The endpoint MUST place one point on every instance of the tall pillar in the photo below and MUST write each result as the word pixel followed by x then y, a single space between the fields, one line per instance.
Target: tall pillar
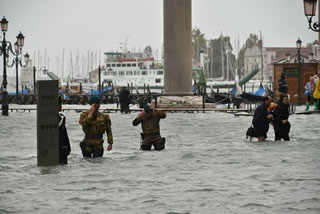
pixel 177 47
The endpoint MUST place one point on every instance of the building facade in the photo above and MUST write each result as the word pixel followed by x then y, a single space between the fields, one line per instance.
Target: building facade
pixel 254 57
pixel 27 75
pixel 296 72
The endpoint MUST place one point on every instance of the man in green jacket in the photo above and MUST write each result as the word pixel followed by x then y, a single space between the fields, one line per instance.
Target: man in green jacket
pixel 94 125
pixel 150 123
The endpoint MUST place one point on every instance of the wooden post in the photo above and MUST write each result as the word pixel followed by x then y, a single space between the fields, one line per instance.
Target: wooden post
pixel 155 101
pixel 203 101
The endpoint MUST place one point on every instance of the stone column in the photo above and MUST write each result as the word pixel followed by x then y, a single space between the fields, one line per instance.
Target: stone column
pixel 177 47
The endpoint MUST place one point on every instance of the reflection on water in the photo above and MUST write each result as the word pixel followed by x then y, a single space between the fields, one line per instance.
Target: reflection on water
pixel 208 167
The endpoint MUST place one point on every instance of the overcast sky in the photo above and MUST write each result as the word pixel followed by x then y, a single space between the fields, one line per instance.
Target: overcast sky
pixel 103 24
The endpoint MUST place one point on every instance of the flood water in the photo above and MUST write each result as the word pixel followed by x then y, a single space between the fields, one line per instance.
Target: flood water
pixel 208 167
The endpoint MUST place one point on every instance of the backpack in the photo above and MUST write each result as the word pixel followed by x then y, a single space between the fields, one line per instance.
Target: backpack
pixel 250 133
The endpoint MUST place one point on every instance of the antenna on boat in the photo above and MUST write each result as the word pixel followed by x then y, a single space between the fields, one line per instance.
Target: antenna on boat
pixel 222 56
pixel 62 65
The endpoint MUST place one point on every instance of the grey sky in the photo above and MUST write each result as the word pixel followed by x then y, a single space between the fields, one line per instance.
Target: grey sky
pixel 103 24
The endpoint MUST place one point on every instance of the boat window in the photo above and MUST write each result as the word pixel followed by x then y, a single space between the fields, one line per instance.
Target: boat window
pixel 118 65
pixel 121 73
pixel 158 80
pixel 114 73
pixel 144 72
pixel 128 65
pixel 135 73
pixel 123 65
pixel 159 72
pixel 138 72
pixel 134 65
pixel 105 73
pixel 108 65
pixel 129 73
pixel 113 65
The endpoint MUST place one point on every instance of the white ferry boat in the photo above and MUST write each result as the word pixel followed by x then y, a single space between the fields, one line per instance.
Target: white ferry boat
pixel 123 69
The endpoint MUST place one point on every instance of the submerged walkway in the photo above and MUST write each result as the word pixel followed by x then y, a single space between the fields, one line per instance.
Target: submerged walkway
pixel 114 110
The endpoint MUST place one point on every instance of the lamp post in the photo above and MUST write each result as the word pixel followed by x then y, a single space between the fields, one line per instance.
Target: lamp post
pixel 4 28
pixel 34 80
pixel 310 7
pixel 5 48
pixel 17 61
pixel 299 60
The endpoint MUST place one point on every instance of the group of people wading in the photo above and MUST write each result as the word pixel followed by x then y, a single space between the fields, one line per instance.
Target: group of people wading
pixel 278 113
pixel 95 124
pixel 275 113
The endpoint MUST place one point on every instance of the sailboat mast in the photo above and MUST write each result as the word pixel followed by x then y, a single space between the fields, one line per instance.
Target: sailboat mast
pixel 227 53
pixel 261 56
pixel 222 58
pixel 62 65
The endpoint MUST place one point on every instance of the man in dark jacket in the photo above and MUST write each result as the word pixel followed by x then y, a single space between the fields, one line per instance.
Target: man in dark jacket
pixel 150 123
pixel 124 99
pixel 280 122
pixel 64 143
pixel 262 118
pixel 283 84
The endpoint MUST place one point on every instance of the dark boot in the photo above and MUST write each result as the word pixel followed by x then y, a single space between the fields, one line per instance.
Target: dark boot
pixel 316 104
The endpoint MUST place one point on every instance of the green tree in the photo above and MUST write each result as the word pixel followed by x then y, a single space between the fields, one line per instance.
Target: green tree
pixel 217 48
pixel 199 43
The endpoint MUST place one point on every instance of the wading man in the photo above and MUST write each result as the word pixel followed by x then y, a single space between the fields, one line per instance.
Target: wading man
pixel 261 119
pixel 94 125
pixel 150 123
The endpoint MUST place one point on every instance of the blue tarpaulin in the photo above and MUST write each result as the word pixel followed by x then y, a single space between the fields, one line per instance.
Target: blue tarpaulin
pixel 260 91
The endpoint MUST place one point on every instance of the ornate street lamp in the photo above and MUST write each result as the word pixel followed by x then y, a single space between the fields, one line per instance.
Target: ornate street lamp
pixel 6 47
pixel 4 24
pixel 310 7
pixel 298 45
pixel 20 40
pixel 4 106
pixel 18 61
pixel 299 60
